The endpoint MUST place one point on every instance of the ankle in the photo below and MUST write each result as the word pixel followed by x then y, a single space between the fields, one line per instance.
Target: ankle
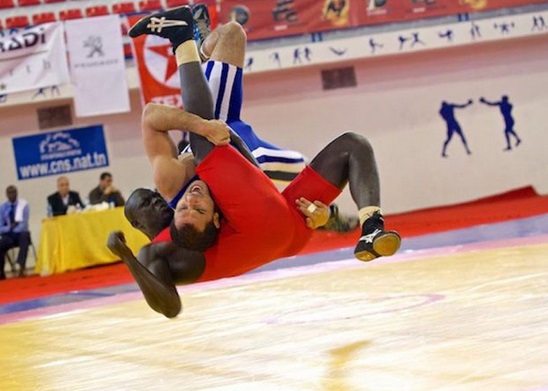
pixel 367 212
pixel 372 223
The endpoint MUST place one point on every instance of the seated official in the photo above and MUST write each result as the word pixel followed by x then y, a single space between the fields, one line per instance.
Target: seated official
pixel 14 229
pixel 106 192
pixel 60 201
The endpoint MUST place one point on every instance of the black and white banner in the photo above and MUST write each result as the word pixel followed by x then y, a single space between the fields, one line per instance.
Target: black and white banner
pixel 32 58
pixel 97 65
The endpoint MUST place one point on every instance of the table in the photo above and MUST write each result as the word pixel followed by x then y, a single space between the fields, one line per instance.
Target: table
pixel 80 240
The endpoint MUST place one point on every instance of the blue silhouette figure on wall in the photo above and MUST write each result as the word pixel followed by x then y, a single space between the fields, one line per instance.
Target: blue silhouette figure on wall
pixel 506 110
pixel 249 63
pixel 447 112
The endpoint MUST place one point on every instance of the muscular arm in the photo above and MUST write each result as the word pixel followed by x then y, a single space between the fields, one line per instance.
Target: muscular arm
pixel 157 120
pixel 156 269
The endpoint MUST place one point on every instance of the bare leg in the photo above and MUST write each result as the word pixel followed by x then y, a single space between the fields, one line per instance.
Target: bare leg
pixel 227 43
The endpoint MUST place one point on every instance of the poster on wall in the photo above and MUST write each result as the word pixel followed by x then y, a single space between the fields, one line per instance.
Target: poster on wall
pixel 97 66
pixel 60 152
pixel 32 58
pixel 264 19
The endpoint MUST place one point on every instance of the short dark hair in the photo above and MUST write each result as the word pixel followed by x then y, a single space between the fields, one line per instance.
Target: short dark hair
pixel 105 174
pixel 190 238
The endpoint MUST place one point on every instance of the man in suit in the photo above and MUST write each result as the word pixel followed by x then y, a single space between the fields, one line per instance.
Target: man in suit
pixel 59 202
pixel 14 229
pixel 106 192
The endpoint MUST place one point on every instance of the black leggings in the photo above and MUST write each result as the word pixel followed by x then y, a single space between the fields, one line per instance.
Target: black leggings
pixel 350 159
pixel 197 99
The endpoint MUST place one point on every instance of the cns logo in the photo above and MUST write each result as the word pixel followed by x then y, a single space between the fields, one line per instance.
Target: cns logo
pixel 59 144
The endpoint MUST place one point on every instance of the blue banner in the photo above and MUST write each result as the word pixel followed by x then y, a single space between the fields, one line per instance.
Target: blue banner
pixel 60 152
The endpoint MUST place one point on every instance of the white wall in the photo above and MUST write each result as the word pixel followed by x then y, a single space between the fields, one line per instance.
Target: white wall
pixel 395 105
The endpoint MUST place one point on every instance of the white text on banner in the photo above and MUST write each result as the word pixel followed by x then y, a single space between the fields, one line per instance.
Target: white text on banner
pixel 33 58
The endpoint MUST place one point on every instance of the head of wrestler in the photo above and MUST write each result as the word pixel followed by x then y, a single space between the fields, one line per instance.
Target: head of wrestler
pixel 197 218
pixel 147 211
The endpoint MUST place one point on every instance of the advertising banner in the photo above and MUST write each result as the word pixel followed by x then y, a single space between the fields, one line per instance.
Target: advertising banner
pixel 32 58
pixel 60 152
pixel 97 66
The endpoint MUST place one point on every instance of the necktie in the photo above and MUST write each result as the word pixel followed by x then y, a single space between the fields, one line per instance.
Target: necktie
pixel 12 213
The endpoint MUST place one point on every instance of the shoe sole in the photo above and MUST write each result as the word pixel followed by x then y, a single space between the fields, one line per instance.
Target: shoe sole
pixel 383 246
pixel 132 30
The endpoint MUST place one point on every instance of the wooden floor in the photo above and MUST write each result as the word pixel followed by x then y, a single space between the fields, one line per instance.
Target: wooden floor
pixel 461 319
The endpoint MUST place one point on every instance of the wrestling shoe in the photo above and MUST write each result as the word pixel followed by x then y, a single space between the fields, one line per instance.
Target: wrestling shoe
pixel 338 222
pixel 202 27
pixel 375 241
pixel 175 24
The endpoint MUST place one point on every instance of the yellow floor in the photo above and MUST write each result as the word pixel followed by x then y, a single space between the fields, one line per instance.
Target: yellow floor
pixel 472 321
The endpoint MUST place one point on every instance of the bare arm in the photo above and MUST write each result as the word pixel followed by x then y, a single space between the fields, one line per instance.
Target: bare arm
pixel 157 268
pixel 155 282
pixel 169 173
pixel 158 120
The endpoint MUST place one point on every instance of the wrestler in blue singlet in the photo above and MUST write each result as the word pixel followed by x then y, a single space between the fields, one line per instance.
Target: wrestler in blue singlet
pixel 226 84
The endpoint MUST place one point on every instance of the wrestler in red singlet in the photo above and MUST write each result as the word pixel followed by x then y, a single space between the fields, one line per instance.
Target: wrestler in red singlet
pixel 260 224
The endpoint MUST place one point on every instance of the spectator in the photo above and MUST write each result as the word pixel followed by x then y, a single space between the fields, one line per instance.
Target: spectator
pixel 14 229
pixel 60 201
pixel 106 192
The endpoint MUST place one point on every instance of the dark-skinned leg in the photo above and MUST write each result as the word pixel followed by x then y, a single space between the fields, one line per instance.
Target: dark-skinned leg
pixel 349 159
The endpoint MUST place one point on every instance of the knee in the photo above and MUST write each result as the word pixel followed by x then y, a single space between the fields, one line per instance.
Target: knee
pixel 24 237
pixel 234 32
pixel 234 29
pixel 5 244
pixel 355 140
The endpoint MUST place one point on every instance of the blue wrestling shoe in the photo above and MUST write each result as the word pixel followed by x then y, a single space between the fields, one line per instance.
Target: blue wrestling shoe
pixel 176 24
pixel 202 27
pixel 375 242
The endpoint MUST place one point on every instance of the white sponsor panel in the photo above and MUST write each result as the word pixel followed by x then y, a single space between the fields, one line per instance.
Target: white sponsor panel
pixel 97 66
pixel 32 58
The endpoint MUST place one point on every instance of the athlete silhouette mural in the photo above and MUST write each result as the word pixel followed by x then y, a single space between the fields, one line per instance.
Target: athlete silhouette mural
pixel 506 110
pixel 447 112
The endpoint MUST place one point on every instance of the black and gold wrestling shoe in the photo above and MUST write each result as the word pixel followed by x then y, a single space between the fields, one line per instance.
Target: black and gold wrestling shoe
pixel 176 24
pixel 375 242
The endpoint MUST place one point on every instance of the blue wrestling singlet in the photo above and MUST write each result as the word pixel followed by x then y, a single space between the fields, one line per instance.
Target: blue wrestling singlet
pixel 226 84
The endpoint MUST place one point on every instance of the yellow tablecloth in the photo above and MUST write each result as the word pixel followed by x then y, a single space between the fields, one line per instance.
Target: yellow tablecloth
pixel 80 240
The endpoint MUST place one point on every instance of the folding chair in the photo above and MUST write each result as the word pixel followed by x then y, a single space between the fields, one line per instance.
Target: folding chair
pixel 18 21
pixel 123 8
pixel 44 17
pixel 150 5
